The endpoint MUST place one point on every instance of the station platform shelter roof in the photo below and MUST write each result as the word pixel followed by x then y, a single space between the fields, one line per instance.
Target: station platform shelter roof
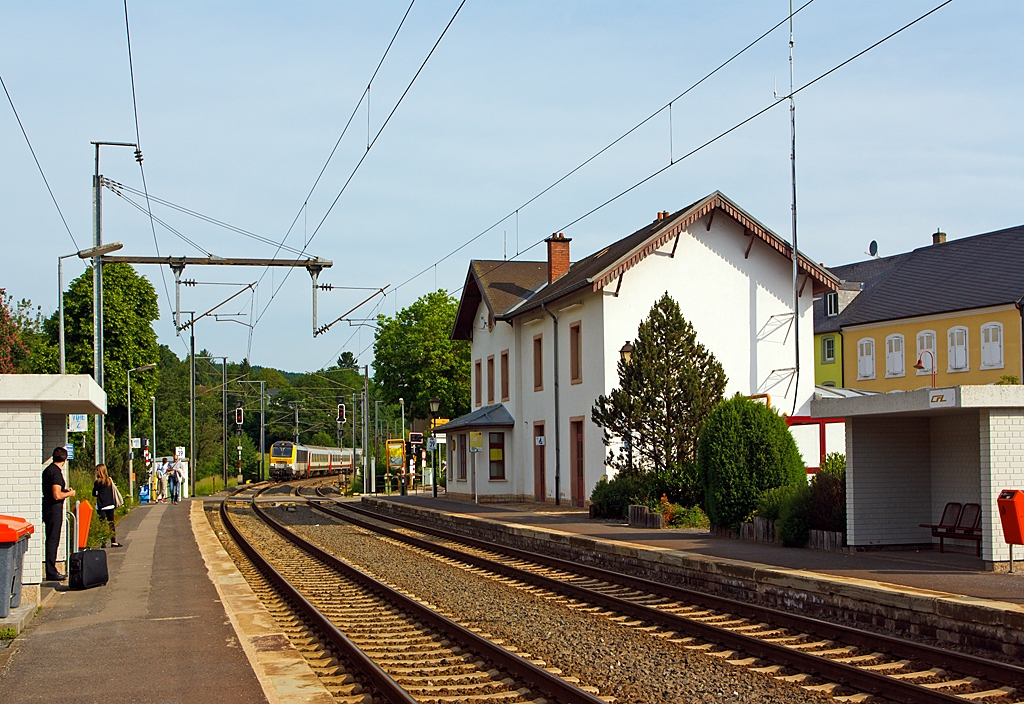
pixel 909 453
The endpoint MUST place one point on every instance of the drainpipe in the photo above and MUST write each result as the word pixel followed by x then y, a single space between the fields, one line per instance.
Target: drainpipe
pixel 842 360
pixel 558 434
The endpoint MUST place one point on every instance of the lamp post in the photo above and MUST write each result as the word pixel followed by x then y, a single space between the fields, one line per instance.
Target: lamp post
pixel 920 364
pixel 131 453
pixel 152 400
pixel 81 254
pixel 435 404
pixel 626 354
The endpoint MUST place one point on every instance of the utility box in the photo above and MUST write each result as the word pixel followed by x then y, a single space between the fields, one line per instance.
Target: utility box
pixel 1011 514
pixel 14 534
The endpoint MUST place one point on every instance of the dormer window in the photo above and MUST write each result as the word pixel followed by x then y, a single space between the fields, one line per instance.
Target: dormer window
pixel 831 304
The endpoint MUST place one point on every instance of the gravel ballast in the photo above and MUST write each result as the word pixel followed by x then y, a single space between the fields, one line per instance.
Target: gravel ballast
pixel 627 664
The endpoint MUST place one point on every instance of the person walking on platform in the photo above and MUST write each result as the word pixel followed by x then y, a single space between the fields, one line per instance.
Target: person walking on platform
pixel 174 482
pixel 161 479
pixel 103 490
pixel 54 492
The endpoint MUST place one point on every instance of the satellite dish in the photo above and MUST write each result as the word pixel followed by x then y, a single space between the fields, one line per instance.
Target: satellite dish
pixel 873 248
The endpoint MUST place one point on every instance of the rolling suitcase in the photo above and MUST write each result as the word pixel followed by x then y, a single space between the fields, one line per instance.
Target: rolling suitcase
pixel 87 569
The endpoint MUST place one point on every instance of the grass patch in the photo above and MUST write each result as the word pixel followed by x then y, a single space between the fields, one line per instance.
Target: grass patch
pixel 212 484
pixel 8 634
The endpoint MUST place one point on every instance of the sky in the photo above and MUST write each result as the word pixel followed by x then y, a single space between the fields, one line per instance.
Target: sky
pixel 240 104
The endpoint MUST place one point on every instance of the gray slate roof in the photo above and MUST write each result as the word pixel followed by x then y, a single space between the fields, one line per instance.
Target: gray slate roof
pixel 493 416
pixel 971 272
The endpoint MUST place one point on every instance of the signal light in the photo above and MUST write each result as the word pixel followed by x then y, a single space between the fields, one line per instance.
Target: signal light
pixel 238 416
pixel 415 438
pixel 341 412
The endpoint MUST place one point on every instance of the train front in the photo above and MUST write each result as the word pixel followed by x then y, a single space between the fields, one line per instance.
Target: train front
pixel 282 460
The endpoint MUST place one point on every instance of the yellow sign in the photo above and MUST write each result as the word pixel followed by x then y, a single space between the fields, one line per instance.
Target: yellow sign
pixel 496 454
pixel 396 455
pixel 476 442
pixel 440 421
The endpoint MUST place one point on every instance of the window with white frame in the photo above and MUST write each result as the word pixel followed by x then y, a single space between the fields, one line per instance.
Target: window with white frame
pixel 831 304
pixel 866 358
pixel 926 341
pixel 895 362
pixel 992 346
pixel 828 349
pixel 957 343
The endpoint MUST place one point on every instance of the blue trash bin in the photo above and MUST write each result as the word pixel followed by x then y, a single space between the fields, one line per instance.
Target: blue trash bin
pixel 144 494
pixel 14 535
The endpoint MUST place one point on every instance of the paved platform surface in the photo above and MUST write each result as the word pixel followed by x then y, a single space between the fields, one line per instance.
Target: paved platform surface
pixel 956 573
pixel 155 633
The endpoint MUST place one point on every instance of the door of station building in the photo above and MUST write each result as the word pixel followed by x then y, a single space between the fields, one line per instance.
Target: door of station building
pixel 579 489
pixel 539 476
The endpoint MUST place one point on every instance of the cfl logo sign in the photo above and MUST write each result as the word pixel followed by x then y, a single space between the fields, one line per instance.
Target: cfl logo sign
pixel 938 398
pixel 942 398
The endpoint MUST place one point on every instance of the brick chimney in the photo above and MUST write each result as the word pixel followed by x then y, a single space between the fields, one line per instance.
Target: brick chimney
pixel 558 255
pixel 938 237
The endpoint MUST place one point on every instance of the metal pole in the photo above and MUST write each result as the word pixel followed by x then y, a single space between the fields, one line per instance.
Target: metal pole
pixel 376 444
pixel 263 448
pixel 192 464
pixel 131 450
pixel 353 462
pixel 224 414
pixel 366 423
pixel 152 442
pixel 60 309
pixel 792 161
pixel 97 302
pixel 295 405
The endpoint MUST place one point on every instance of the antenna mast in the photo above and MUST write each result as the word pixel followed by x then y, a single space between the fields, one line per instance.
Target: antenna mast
pixel 792 162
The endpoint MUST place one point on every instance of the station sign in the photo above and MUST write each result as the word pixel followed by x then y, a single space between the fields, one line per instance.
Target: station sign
pixel 136 443
pixel 942 398
pixel 476 441
pixel 179 453
pixel 71 451
pixel 78 423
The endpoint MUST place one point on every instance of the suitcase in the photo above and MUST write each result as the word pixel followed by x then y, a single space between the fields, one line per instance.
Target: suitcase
pixel 87 569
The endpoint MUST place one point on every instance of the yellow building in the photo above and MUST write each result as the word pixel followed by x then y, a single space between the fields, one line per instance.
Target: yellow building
pixel 957 305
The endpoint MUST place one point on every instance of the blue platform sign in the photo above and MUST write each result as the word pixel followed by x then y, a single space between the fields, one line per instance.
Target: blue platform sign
pixel 71 451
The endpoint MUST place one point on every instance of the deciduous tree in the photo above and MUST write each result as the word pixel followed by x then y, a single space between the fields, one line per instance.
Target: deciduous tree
pixel 415 357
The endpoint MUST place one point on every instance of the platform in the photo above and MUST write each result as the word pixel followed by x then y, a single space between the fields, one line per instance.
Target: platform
pixel 156 632
pixel 947 596
pixel 955 573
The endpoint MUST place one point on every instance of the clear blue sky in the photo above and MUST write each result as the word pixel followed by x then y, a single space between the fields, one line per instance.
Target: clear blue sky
pixel 240 104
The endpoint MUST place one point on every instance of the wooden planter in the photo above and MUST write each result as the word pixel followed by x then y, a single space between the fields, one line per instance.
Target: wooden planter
pixel 833 541
pixel 641 517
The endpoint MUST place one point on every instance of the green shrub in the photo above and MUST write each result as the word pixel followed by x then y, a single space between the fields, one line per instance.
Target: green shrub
pixel 611 499
pixel 828 494
pixel 8 634
pixel 794 522
pixel 770 503
pixel 745 449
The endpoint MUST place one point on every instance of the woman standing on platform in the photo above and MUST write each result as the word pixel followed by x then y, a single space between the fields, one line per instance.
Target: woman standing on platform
pixel 103 490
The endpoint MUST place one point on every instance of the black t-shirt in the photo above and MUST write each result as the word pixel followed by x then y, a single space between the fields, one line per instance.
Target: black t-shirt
pixel 52 475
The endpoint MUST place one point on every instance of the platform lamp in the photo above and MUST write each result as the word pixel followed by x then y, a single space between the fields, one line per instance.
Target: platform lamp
pixel 920 364
pixel 131 453
pixel 626 354
pixel 435 404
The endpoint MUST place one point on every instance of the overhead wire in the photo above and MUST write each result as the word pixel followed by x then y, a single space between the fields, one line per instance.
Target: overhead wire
pixel 369 146
pixel 138 158
pixel 163 224
pixel 38 165
pixel 721 135
pixel 605 148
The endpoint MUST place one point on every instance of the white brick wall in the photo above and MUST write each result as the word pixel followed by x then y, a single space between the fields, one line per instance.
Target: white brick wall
pixel 55 434
pixel 21 438
pixel 888 480
pixel 1002 467
pixel 956 466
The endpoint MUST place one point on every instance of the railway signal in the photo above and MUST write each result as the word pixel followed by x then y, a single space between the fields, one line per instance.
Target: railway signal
pixel 238 416
pixel 341 412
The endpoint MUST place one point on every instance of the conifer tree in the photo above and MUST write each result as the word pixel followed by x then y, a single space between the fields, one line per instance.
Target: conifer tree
pixel 667 389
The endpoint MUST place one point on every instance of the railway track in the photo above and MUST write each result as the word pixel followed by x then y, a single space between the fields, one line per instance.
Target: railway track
pixel 403 649
pixel 850 664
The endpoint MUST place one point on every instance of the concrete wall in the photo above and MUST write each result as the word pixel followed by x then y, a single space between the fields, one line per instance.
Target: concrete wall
pixel 888 479
pixel 1002 467
pixel 955 464
pixel 21 448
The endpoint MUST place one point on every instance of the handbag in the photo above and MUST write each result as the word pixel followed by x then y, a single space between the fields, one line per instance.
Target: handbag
pixel 118 499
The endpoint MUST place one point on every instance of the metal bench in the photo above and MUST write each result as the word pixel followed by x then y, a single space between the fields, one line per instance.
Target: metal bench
pixel 958 522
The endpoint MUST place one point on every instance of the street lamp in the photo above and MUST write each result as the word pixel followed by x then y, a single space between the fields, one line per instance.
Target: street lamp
pixel 81 254
pixel 131 454
pixel 626 354
pixel 920 364
pixel 435 404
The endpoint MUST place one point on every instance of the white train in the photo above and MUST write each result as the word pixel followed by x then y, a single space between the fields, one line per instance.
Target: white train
pixel 289 460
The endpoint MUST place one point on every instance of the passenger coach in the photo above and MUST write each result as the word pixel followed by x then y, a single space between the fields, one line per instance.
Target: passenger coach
pixel 289 460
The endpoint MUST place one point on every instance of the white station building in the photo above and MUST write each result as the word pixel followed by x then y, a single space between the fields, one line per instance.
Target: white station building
pixel 546 339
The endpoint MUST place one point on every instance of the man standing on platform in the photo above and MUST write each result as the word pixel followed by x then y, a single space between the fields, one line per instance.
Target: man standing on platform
pixel 54 492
